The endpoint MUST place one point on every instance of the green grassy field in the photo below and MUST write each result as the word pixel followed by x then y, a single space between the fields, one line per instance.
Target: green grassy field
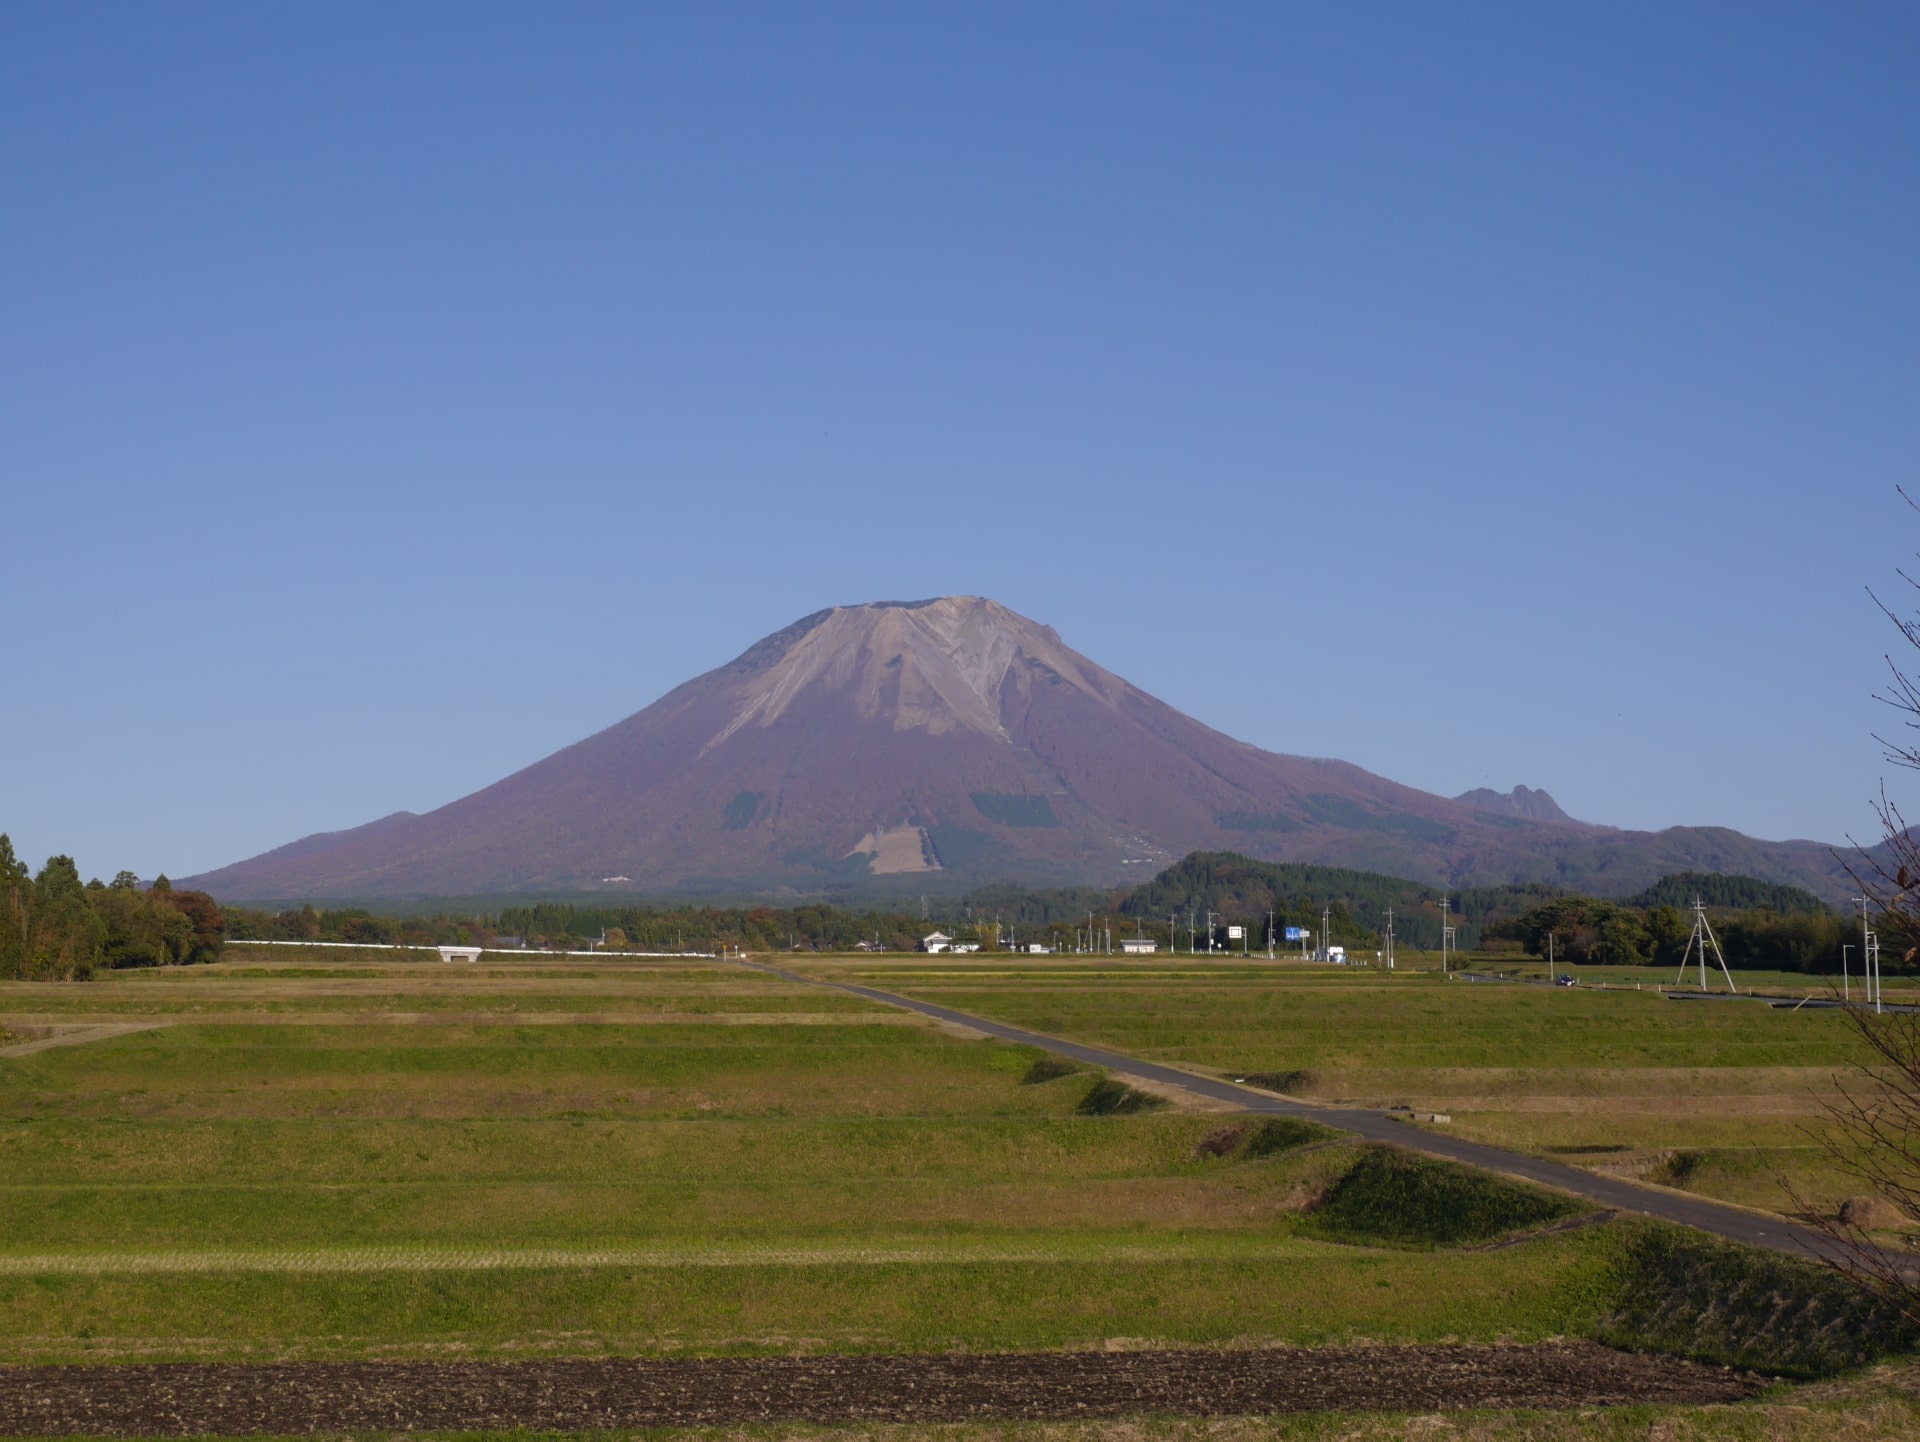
pixel 1719 1097
pixel 722 1162
pixel 353 1156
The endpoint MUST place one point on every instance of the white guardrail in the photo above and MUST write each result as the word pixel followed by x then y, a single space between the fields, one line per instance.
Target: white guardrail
pixel 485 950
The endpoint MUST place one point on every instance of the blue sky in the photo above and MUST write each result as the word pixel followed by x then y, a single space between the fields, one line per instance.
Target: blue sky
pixel 1479 393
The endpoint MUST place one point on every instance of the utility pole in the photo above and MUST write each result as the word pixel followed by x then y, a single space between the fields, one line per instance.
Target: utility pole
pixel 1869 958
pixel 1389 938
pixel 1844 993
pixel 1446 931
pixel 1326 932
pixel 1269 936
pixel 1866 966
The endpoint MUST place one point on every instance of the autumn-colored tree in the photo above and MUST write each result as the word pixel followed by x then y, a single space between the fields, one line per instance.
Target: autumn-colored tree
pixel 204 914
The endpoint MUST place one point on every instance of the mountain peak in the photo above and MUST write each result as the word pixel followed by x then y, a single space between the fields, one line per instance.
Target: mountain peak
pixel 937 665
pixel 1523 801
pixel 944 742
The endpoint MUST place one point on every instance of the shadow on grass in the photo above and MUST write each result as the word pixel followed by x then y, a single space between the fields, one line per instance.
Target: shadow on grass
pixel 1110 1098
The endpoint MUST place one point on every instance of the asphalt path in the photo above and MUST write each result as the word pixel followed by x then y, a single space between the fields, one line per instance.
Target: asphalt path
pixel 1752 1228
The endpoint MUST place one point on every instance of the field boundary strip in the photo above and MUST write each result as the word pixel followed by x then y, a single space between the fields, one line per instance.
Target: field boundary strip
pixel 413 1258
pixel 99 1027
pixel 81 1034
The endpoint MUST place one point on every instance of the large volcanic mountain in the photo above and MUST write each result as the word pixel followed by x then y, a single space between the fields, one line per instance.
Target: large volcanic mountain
pixel 927 744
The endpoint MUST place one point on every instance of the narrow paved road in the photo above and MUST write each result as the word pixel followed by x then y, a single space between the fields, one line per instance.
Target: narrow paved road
pixel 1741 1226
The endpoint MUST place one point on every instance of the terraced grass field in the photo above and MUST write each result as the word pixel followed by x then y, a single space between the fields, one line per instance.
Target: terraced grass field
pixel 382 1159
pixel 355 1156
pixel 1723 1098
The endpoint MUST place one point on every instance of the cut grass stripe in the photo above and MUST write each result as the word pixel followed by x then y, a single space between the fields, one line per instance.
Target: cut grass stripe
pixel 481 1259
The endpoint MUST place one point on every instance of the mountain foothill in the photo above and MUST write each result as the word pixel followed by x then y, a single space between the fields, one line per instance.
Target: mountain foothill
pixel 915 746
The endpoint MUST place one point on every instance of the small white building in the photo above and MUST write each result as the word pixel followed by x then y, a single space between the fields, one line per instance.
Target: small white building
pixel 937 942
pixel 458 953
pixel 1039 948
pixel 1139 945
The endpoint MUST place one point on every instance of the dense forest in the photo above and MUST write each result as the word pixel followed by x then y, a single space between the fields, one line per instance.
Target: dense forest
pixel 55 928
pixel 1726 893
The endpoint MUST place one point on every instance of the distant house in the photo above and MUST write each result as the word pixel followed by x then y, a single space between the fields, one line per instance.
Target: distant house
pixel 868 946
pixel 938 941
pixel 963 946
pixel 1039 948
pixel 1138 945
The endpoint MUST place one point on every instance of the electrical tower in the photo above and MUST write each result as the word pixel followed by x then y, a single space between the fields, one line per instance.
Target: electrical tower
pixel 1701 939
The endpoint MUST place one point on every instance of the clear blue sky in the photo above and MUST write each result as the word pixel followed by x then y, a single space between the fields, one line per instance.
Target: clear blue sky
pixel 390 395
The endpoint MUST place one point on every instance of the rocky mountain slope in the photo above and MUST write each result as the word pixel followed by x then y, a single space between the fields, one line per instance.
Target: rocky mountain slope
pixel 935 744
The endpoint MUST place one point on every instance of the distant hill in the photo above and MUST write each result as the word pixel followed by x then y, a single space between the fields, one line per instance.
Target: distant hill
pixel 907 748
pixel 1734 893
pixel 1240 886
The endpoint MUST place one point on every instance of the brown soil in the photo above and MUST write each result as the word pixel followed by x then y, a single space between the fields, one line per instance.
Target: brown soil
pixel 182 1399
pixel 1221 1141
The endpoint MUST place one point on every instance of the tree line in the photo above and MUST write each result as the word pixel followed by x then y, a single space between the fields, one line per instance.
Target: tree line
pixel 1780 926
pixel 1585 931
pixel 54 927
pixel 573 926
pixel 1246 890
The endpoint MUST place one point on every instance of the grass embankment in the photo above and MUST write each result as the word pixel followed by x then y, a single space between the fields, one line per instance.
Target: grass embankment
pixel 1619 1081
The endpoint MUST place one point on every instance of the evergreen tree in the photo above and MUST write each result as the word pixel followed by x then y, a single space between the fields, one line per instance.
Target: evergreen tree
pixel 16 909
pixel 64 934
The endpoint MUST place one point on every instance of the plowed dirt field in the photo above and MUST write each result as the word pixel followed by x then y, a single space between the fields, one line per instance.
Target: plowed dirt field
pixel 187 1399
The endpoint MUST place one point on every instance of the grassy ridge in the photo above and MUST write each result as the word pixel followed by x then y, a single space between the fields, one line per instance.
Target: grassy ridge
pixel 1399 1197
